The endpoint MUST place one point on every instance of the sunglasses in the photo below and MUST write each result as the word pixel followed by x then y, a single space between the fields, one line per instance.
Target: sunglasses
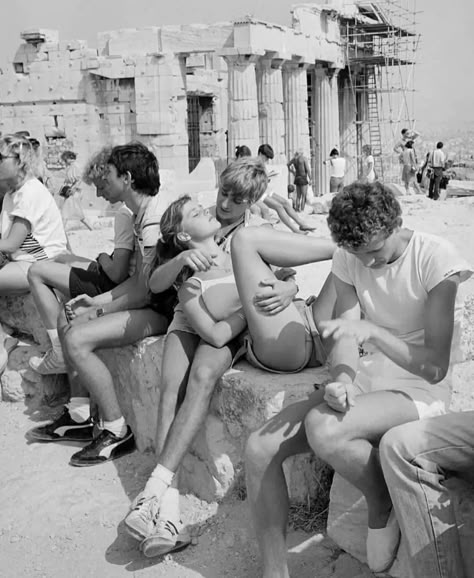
pixel 2 157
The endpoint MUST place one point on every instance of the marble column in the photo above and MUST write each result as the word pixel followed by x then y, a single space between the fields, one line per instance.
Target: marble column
pixel 243 126
pixel 271 118
pixel 326 107
pixel 295 108
pixel 348 127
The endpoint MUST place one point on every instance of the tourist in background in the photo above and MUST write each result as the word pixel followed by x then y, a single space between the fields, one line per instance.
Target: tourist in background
pixel 437 162
pixel 368 165
pixel 410 166
pixel 40 170
pixel 406 135
pixel 299 166
pixel 283 207
pixel 70 191
pixel 242 151
pixel 337 171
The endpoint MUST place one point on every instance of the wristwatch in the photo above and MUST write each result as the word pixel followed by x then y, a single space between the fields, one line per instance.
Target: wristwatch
pixel 99 312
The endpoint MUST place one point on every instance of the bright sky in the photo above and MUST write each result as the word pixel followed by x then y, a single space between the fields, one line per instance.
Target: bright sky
pixel 444 75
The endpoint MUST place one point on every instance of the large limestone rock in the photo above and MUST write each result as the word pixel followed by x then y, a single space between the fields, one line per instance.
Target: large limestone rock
pixel 19 312
pixel 244 399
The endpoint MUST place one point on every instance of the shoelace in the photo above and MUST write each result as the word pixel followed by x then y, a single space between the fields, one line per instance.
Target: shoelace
pixel 147 509
pixel 165 526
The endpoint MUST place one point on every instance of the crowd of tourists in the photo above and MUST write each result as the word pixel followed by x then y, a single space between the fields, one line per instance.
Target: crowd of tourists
pixel 220 284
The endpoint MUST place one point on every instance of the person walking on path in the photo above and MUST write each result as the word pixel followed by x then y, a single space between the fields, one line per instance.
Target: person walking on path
pixel 299 166
pixel 437 161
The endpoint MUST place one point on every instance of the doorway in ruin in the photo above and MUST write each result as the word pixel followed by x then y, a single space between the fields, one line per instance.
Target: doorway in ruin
pixel 200 122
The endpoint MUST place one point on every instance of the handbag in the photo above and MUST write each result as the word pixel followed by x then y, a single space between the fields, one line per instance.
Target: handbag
pixel 65 191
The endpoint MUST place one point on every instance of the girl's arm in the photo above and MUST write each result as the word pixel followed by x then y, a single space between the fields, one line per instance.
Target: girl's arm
pixel 18 232
pixel 216 333
pixel 164 276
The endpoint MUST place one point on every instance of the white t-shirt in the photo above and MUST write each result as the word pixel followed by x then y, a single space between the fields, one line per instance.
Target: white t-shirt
pixel 146 227
pixel 34 203
pixel 394 296
pixel 370 175
pixel 123 234
pixel 338 167
pixel 437 158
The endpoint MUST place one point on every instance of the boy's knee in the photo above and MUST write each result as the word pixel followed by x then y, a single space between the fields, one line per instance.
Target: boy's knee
pixel 396 444
pixel 73 342
pixel 259 451
pixel 324 436
pixel 203 379
pixel 35 273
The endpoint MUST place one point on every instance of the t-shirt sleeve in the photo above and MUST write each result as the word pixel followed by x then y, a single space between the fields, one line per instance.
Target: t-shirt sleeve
pixel 440 260
pixel 25 204
pixel 341 266
pixel 123 227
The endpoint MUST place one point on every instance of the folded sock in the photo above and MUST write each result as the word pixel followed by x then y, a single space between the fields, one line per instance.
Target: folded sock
pixel 54 338
pixel 159 481
pixel 169 506
pixel 79 409
pixel 118 426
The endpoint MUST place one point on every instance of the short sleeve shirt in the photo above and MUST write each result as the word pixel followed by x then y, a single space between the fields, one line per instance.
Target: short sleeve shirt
pixel 123 235
pixel 394 296
pixel 35 204
pixel 146 227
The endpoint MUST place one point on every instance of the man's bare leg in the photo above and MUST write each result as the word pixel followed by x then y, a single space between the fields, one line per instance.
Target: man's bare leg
pixel 267 448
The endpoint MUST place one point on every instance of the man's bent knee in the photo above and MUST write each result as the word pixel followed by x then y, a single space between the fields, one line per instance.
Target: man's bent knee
pixel 202 380
pixel 398 444
pixel 324 436
pixel 74 344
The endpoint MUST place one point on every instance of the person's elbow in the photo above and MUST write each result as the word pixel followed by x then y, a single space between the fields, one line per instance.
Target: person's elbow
pixel 439 373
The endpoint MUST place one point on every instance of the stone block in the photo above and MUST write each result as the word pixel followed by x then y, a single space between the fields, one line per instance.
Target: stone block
pixel 20 312
pixel 347 523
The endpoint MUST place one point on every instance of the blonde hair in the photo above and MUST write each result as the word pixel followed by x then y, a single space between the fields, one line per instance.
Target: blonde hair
pixel 21 148
pixel 245 179
pixel 96 168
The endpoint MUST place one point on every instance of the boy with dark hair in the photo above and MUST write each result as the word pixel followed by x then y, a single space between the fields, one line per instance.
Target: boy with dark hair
pixel 120 316
pixel 437 162
pixel 405 285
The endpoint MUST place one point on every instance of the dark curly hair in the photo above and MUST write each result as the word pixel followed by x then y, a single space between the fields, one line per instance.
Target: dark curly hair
pixel 360 211
pixel 142 165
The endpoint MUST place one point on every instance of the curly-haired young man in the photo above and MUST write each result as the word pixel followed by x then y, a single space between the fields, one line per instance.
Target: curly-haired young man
pixel 397 296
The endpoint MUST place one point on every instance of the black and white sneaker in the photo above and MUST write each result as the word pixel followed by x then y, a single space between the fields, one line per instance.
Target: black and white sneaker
pixel 63 429
pixel 106 446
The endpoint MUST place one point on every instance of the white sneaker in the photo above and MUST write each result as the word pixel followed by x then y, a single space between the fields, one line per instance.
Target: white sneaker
pixel 382 545
pixel 51 363
pixel 167 537
pixel 140 521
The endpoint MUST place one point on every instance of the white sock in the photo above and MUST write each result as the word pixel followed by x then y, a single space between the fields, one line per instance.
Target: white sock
pixel 79 409
pixel 159 481
pixel 118 426
pixel 169 506
pixel 54 338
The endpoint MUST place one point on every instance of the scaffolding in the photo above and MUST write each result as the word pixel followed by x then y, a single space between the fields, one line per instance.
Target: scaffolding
pixel 381 45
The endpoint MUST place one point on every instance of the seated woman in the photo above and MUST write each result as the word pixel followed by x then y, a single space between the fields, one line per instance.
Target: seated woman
pixel 31 225
pixel 73 275
pixel 212 316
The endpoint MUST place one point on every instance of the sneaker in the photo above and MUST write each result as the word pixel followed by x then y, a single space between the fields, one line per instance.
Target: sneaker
pixel 141 519
pixel 106 446
pixel 64 428
pixel 167 537
pixel 51 363
pixel 8 344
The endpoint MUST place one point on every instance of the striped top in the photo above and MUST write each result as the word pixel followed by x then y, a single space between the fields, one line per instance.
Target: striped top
pixel 33 202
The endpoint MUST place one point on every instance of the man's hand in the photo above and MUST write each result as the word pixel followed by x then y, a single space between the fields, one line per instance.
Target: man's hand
pixel 339 396
pixel 275 296
pixel 78 306
pixel 197 260
pixel 360 330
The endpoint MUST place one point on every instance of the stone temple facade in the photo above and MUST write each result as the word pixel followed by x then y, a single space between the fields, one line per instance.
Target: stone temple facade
pixel 192 91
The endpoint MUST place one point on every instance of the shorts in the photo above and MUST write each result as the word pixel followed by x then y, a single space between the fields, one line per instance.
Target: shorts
pixel 315 352
pixel 164 303
pixel 378 373
pixel 336 184
pixel 91 281
pixel 301 181
pixel 180 322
